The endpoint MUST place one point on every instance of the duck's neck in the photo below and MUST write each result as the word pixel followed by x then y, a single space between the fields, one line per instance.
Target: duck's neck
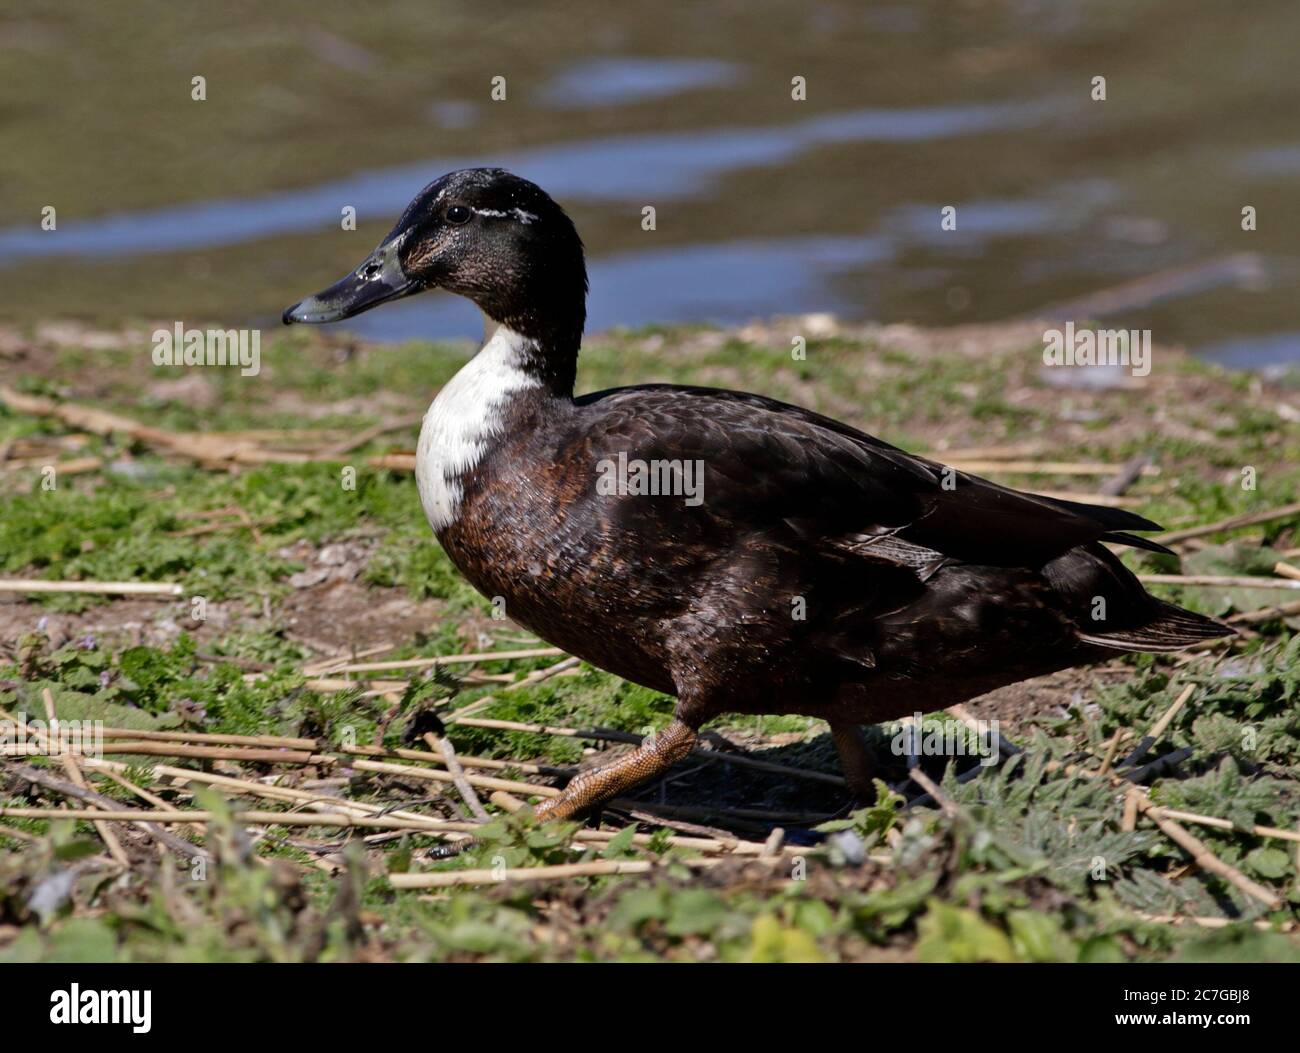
pixel 545 303
pixel 544 348
pixel 470 412
pixel 530 356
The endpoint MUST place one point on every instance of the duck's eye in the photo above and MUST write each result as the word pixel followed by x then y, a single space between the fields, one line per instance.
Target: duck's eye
pixel 458 214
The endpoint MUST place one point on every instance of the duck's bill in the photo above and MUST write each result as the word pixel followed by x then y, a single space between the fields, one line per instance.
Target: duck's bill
pixel 380 278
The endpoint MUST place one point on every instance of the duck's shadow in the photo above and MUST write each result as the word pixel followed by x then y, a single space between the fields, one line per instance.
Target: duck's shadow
pixel 749 801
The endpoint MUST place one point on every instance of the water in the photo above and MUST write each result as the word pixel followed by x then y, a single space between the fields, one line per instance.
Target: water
pixel 718 282
pixel 226 210
pixel 626 80
pixel 628 168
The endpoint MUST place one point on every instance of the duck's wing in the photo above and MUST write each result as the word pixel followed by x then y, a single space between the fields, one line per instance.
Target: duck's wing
pixel 767 463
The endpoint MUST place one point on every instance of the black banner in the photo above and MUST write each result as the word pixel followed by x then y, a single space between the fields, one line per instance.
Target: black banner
pixel 229 1002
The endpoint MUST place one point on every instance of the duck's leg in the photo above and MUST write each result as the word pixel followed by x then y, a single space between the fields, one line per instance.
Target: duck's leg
pixel 592 788
pixel 857 761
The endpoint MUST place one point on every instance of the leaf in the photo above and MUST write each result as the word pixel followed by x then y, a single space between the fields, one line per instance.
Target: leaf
pixel 83 940
pixel 1100 949
pixel 770 941
pixel 812 916
pixel 1039 937
pixel 891 908
pixel 637 907
pixel 620 843
pixel 955 934
pixel 399 860
pixel 875 819
pixel 549 835
pixel 1269 862
pixel 695 911
pixel 71 851
pixel 1233 559
pixel 1240 943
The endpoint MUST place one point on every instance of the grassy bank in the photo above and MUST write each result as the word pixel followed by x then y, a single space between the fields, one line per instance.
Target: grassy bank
pixel 1032 859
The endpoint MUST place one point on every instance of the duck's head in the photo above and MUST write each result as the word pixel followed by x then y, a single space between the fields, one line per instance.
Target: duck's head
pixel 485 234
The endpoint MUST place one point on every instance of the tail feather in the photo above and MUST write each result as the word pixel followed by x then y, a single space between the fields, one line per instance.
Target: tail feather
pixel 1111 609
pixel 1121 537
pixel 1111 518
pixel 1172 629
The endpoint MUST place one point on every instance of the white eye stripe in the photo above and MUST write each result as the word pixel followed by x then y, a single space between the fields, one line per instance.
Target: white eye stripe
pixel 517 213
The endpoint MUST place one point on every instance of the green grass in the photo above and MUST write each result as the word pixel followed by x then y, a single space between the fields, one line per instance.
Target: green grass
pixel 1028 864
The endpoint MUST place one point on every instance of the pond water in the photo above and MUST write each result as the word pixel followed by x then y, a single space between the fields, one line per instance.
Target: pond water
pixel 1126 210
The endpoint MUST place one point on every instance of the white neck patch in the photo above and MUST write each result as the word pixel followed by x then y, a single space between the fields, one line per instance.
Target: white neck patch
pixel 464 416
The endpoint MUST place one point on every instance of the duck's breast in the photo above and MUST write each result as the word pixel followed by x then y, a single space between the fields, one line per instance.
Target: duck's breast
pixel 464 420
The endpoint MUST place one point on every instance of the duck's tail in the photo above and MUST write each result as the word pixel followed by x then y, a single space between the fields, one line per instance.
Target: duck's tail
pixel 1172 629
pixel 1113 610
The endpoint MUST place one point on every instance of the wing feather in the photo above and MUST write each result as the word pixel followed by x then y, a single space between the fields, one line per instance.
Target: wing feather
pixel 768 463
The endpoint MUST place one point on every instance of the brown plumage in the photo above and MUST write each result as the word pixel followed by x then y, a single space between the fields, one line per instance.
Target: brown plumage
pixel 821 571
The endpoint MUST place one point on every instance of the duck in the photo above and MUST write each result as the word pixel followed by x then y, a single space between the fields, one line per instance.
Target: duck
pixel 761 558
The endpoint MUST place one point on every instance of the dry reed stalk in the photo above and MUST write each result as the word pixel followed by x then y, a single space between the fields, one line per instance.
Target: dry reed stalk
pixel 458 777
pixel 1227 581
pixel 103 806
pixel 918 776
pixel 285 793
pixel 1285 570
pixel 149 798
pixel 1205 923
pixel 1128 822
pixel 1231 523
pixel 506 801
pixel 70 766
pixel 1203 857
pixel 453 878
pixel 1166 718
pixel 207 449
pixel 279 741
pixel 331 684
pixel 394 462
pixel 114 588
pixel 164 749
pixel 251 818
pixel 75 466
pixel 434 775
pixel 557 872
pixel 450 659
pixel 1137 802
pixel 1265 614
pixel 325 665
pixel 772 846
pixel 18 835
pixel 990 453
pixel 468 761
pixel 1224 824
pixel 1112 747
pixel 367 434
